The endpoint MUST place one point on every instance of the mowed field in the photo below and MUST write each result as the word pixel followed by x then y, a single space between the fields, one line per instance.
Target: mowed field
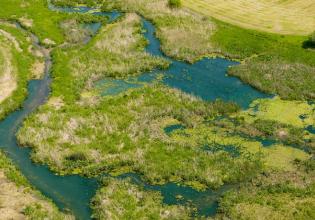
pixel 277 16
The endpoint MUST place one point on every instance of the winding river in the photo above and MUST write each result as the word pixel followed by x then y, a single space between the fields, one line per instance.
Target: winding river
pixel 206 79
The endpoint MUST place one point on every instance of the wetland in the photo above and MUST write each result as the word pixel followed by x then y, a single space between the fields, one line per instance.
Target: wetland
pixel 128 122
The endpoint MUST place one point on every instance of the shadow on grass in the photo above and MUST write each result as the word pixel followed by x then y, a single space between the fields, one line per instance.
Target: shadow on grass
pixel 309 44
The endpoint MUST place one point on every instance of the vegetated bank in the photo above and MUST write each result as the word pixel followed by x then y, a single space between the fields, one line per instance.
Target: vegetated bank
pixel 36 17
pixel 276 64
pixel 90 134
pixel 20 61
pixel 18 198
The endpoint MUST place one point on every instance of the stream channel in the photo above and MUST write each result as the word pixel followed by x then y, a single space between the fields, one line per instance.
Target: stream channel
pixel 206 79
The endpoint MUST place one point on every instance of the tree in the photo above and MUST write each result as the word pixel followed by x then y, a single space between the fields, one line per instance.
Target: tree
pixel 174 3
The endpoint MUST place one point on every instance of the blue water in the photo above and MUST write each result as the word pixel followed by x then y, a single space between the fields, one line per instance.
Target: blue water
pixel 206 79
pixel 311 129
pixel 169 129
pixel 206 202
pixel 69 192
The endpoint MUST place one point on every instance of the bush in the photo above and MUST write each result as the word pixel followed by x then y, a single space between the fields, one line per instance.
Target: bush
pixel 310 43
pixel 174 3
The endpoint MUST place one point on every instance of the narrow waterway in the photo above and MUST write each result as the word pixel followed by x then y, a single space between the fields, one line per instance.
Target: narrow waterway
pixel 68 192
pixel 206 79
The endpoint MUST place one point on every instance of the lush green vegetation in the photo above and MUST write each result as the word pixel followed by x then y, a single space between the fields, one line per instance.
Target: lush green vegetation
pixel 272 63
pixel 80 132
pixel 123 46
pixel 130 125
pixel 90 3
pixel 17 69
pixel 175 3
pixel 275 195
pixel 35 16
pixel 275 64
pixel 183 34
pixel 76 30
pixel 20 200
pixel 120 199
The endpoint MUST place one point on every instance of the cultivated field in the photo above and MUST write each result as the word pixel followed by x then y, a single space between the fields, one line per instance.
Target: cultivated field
pixel 277 16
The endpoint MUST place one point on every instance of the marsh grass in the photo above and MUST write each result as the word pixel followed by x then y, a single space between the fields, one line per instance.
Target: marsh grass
pixel 20 200
pixel 80 132
pixel 126 133
pixel 183 34
pixel 294 81
pixel 117 51
pixel 121 199
pixel 272 63
pixel 20 61
pixel 40 20
pixel 76 28
pixel 275 195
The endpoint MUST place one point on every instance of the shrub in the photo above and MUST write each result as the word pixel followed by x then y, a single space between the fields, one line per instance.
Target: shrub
pixel 310 43
pixel 78 156
pixel 174 3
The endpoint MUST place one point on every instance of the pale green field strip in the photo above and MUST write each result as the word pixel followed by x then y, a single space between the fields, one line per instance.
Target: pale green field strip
pixel 295 17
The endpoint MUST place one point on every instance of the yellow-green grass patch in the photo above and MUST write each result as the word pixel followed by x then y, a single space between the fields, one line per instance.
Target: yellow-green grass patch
pixel 276 156
pixel 295 113
pixel 280 157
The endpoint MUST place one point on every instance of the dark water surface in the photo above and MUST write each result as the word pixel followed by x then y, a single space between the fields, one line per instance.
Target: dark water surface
pixel 206 79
